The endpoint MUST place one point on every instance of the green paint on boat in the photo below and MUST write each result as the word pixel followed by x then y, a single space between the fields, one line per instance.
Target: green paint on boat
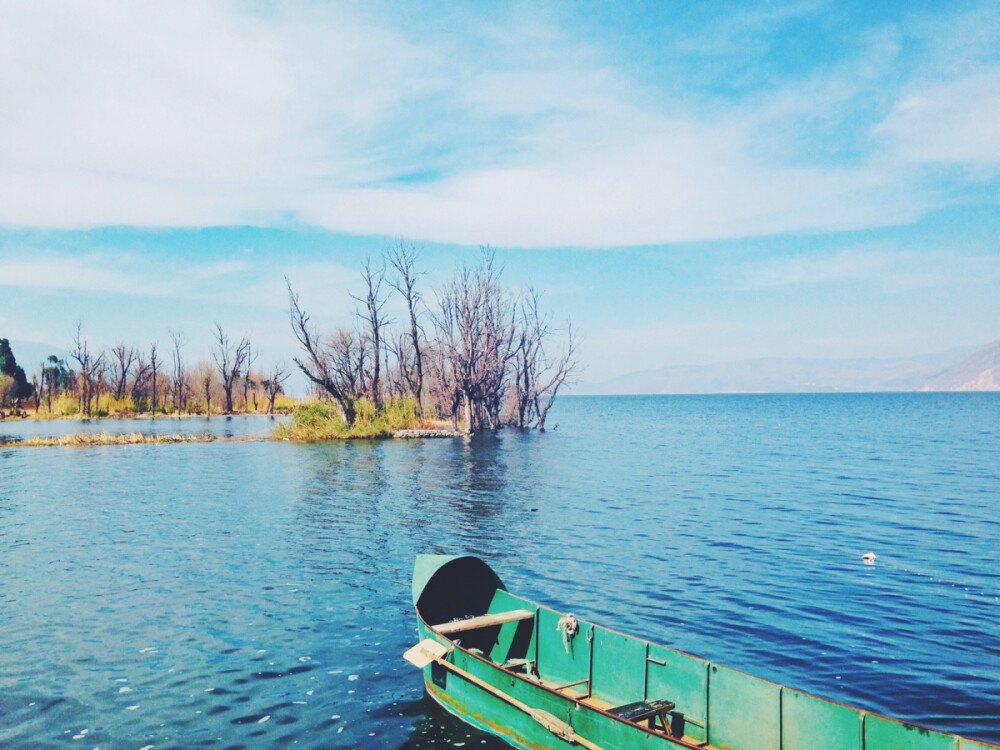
pixel 538 678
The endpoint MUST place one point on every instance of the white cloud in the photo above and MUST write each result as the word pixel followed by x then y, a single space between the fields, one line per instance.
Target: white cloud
pixel 956 121
pixel 874 264
pixel 88 273
pixel 208 113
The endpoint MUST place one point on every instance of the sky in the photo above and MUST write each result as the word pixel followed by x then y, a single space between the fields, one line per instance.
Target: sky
pixel 687 183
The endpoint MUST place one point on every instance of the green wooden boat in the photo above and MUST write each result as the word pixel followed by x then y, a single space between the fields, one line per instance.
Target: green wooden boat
pixel 543 679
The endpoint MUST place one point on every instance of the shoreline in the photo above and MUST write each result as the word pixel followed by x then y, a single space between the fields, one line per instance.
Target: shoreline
pixel 96 439
pixel 85 440
pixel 144 415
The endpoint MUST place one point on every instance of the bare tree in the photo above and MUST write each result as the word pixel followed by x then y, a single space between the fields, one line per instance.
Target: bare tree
pixel 538 375
pixel 404 258
pixel 91 369
pixel 37 381
pixel 476 326
pixel 178 373
pixel 318 363
pixel 154 366
pixel 206 383
pixel 122 360
pixel 229 358
pixel 248 383
pixel 371 314
pixel 139 381
pixel 99 383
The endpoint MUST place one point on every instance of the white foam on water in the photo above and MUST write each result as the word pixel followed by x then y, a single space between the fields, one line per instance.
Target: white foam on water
pixel 339 730
pixel 132 708
pixel 262 720
pixel 352 677
pixel 125 689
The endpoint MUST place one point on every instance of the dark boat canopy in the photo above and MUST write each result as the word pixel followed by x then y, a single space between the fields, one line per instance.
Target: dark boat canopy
pixel 449 587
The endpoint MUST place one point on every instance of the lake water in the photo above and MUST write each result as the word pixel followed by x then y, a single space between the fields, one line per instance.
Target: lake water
pixel 257 594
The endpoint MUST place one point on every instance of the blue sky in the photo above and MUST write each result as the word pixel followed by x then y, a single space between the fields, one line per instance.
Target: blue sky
pixel 691 183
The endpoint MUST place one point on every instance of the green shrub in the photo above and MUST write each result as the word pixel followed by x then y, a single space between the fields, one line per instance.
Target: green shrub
pixel 321 420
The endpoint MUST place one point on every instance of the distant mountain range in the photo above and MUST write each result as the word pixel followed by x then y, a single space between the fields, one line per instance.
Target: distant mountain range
pixel 955 370
pixel 980 371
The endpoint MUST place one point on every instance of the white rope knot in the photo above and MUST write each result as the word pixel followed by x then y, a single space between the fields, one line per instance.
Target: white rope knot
pixel 569 627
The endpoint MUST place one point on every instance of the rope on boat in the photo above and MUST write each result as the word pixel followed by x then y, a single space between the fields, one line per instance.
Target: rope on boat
pixel 569 627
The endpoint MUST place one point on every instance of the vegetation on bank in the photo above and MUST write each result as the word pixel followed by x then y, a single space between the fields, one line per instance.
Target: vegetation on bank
pixel 67 406
pixel 105 438
pixel 473 355
pixel 322 420
pixel 127 381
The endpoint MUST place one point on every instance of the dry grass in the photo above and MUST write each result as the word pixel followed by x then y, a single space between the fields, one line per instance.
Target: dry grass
pixel 84 439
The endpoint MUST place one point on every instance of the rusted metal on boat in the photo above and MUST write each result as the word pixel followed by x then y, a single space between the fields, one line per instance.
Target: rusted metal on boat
pixel 538 678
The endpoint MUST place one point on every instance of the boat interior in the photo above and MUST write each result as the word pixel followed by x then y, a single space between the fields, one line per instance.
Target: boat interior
pixel 600 668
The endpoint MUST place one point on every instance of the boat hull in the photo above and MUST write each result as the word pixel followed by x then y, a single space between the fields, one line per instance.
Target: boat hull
pixel 540 679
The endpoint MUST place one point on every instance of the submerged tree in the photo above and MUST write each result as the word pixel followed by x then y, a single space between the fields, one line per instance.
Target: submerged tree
pixel 494 359
pixel 538 373
pixel 476 329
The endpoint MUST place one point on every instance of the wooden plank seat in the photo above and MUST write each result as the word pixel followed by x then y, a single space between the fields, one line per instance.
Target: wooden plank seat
pixel 648 711
pixel 483 621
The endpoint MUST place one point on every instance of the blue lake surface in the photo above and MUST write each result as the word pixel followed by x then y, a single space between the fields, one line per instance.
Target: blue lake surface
pixel 257 594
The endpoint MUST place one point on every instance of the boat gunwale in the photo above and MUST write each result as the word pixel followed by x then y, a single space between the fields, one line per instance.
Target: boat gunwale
pixel 677 740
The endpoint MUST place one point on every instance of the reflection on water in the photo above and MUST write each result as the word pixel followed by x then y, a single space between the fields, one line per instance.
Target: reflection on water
pixel 252 594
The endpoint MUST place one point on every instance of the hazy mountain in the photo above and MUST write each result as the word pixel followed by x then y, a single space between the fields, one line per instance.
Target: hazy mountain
pixel 776 375
pixel 980 371
pixel 29 354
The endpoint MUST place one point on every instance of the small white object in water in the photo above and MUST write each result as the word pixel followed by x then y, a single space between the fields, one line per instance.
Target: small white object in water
pixel 262 720
pixel 869 558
